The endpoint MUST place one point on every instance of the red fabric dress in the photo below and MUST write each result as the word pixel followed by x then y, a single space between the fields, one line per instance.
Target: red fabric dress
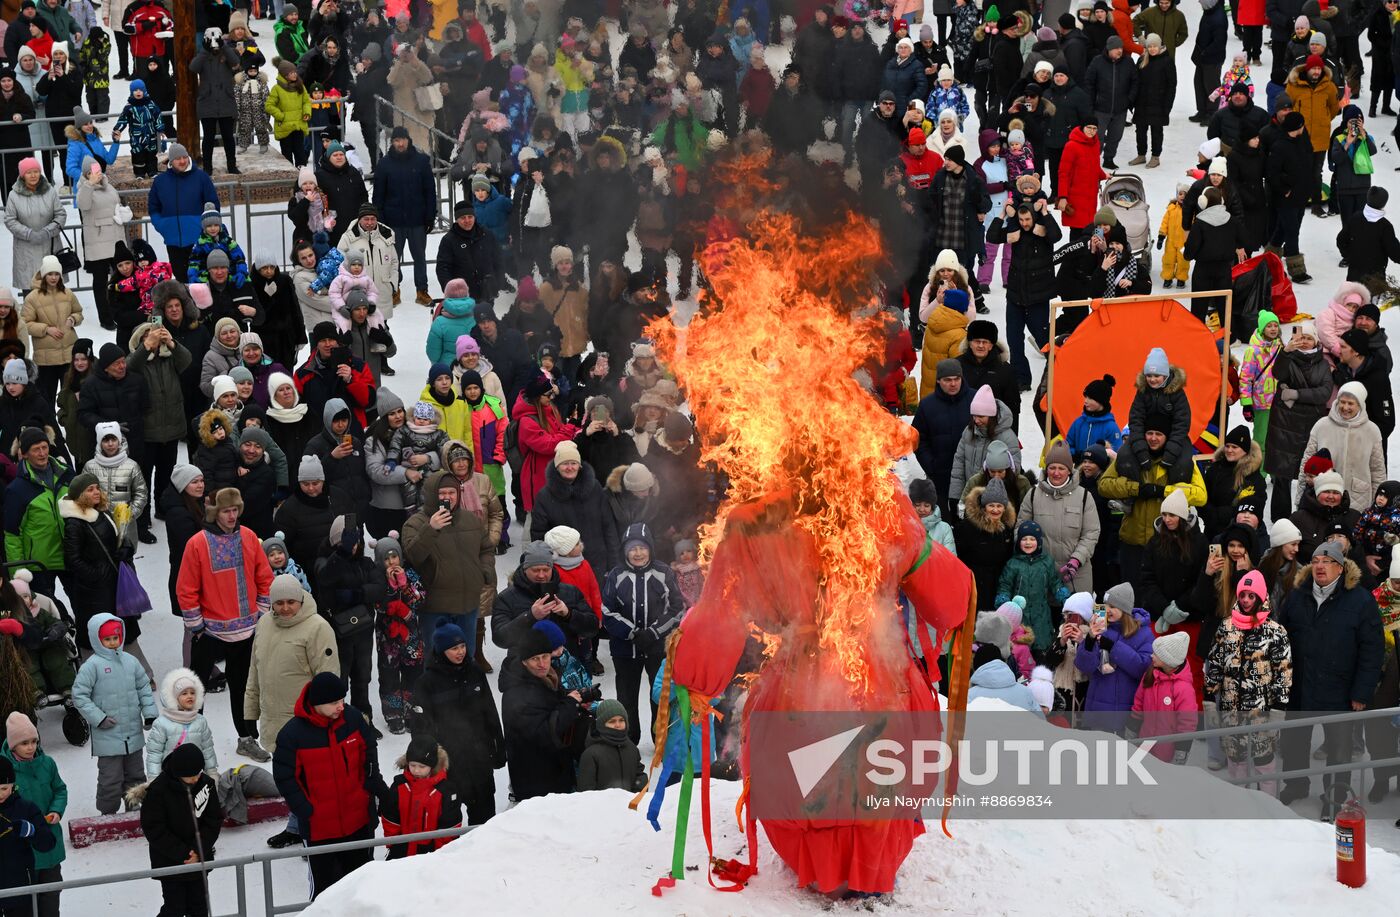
pixel 766 571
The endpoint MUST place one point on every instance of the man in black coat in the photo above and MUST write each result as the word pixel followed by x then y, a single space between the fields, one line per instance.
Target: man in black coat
pixel 411 208
pixel 305 517
pixel 537 594
pixel 878 142
pixel 540 719
pixel 1240 112
pixel 1208 57
pixel 1030 285
pixel 813 49
pixel 940 419
pixel 1292 182
pixel 468 252
pixel 1068 107
pixel 1075 47
pixel 793 121
pixel 985 362
pixel 1334 630
pixel 371 82
pixel 114 394
pixel 344 187
pixel 855 72
pixel 1111 83
pixel 958 206
pixel 505 349
pixel 608 195
pixel 1367 241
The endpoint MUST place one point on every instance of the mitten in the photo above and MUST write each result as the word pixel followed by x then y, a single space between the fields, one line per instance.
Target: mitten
pixel 1069 570
pixel 1151 491
pixel 1161 241
pixel 10 627
pixel 1249 413
pixel 24 828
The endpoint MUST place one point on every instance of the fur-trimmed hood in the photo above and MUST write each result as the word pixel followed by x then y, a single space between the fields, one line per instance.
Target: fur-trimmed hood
pixel 1295 76
pixel 614 482
pixel 1252 461
pixel 1176 380
pixel 168 700
pixel 438 768
pixel 161 293
pixel 207 422
pixel 70 510
pixel 1351 576
pixel 973 512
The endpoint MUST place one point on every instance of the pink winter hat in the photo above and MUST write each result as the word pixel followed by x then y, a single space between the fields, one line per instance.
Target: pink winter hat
pixel 19 728
pixel 27 163
pixel 984 403
pixel 467 344
pixel 456 289
pixel 527 290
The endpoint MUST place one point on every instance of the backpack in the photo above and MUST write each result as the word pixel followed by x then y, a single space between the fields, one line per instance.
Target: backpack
pixel 514 457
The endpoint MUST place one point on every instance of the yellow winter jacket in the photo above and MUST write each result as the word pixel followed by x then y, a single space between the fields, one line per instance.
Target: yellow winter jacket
pixel 1171 227
pixel 944 334
pixel 1137 524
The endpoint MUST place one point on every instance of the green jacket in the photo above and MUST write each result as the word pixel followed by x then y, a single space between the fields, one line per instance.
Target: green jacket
pixel 38 781
pixel 1037 579
pixel 690 136
pixel 290 108
pixel 33 527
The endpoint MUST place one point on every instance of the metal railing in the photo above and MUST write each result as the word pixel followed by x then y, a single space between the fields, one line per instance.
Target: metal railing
pixel 239 865
pixel 1252 777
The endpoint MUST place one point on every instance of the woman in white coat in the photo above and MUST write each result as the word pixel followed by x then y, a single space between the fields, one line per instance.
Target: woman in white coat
pixel 34 215
pixel 1354 441
pixel 97 209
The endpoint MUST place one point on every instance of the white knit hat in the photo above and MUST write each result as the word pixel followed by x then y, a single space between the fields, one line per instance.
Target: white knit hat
pixel 1176 504
pixel 1355 390
pixel 1081 603
pixel 1043 687
pixel 1171 649
pixel 562 540
pixel 1285 532
pixel 1329 481
pixel 222 385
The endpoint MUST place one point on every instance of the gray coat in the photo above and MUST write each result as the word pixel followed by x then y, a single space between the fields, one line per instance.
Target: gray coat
pixel 1070 520
pixel 216 70
pixel 971 454
pixel 165 421
pixel 386 478
pixel 97 209
pixel 35 219
pixel 39 133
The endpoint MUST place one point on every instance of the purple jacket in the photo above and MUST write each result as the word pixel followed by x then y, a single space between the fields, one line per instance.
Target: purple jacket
pixel 1131 658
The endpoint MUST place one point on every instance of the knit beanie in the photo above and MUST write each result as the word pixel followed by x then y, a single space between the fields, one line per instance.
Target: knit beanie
pixel 562 539
pixel 422 749
pixel 536 554
pixel 324 688
pixel 1176 504
pixel 566 451
pixel 552 633
pixel 447 635
pixel 1121 597
pixel 310 469
pixel 1171 649
pixel 994 492
pixel 286 587
pixel 19 728
pixel 984 403
pixel 1156 363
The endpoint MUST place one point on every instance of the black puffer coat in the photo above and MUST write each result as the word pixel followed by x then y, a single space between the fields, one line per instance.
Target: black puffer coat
pixel 305 523
pixel 1167 576
pixel 511 616
pixel 453 703
pixel 1308 376
pixel 581 504
pixel 1032 277
pixel 984 546
pixel 540 723
pixel 1156 92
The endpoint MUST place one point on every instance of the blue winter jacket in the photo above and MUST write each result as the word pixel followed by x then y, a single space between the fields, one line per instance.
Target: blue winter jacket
pixel 78 150
pixel 141 118
pixel 176 202
pixel 1086 430
pixel 640 608
pixel 404 191
pixel 458 317
pixel 112 684
pixel 494 214
pixel 994 679
pixel 1111 693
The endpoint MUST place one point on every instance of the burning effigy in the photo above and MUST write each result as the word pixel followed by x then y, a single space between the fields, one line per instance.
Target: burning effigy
pixel 816 541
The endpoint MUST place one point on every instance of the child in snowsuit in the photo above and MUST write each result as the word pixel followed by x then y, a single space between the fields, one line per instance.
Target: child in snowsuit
pixel 181 818
pixel 23 832
pixel 45 641
pixel 1097 424
pixel 397 635
pixel 149 272
pixel 421 434
pixel 1171 238
pixel 1021 636
pixel 1236 75
pixel 1032 573
pixel 281 561
pixel 284 330
pixel 611 760
pixel 1257 383
pixel 1165 702
pixel 95 59
pixel 215 235
pixel 948 94
pixel 420 799
pixel 217 455
pixel 251 99
pixel 1020 155
pixel 113 694
pixel 180 722
pixel 325 119
pixel 328 263
pixel 1161 391
pixel 351 275
pixel 688 572
pixel 141 115
pixel 573 568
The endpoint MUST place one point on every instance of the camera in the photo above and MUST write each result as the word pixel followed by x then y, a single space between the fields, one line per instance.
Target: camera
pixel 591 694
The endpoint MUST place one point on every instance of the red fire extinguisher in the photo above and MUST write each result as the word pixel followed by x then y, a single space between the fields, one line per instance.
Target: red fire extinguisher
pixel 1351 843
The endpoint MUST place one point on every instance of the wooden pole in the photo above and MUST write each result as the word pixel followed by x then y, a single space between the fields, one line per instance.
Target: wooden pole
pixel 1225 362
pixel 186 106
pixel 1050 377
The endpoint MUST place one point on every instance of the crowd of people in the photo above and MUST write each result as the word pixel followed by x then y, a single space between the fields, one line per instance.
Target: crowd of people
pixel 329 540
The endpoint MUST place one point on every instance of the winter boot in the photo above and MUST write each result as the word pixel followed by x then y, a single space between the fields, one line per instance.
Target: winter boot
pixel 1154 162
pixel 262 147
pixel 1386 97
pixel 1297 269
pixel 248 747
pixel 1137 160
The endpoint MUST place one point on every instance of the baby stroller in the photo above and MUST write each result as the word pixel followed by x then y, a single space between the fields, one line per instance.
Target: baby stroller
pixel 1124 194
pixel 50 646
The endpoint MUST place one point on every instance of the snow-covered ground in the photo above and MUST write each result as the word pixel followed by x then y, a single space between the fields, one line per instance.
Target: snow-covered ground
pixel 589 852
pixel 993 867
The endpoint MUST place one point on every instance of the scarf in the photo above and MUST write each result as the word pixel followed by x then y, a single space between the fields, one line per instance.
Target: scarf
pixel 183 717
pixel 568 563
pixel 110 461
pixel 468 499
pixel 1371 214
pixel 292 414
pixel 444 400
pixel 1323 593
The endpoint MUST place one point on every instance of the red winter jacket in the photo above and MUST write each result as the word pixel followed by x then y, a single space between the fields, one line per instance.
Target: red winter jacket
pixel 414 805
pixel 537 445
pixel 585 579
pixel 149 25
pixel 318 384
pixel 328 771
pixel 1078 181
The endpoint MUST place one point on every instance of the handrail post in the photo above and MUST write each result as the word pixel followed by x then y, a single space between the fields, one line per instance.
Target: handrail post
pixel 269 894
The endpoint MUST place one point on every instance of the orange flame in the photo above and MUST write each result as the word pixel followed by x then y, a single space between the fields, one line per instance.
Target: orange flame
pixel 769 376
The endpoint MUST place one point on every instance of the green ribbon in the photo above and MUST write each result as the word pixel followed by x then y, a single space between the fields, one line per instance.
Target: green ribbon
pixel 923 555
pixel 687 784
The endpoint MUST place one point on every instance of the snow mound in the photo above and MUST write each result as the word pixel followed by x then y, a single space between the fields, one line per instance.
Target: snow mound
pixel 590 854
